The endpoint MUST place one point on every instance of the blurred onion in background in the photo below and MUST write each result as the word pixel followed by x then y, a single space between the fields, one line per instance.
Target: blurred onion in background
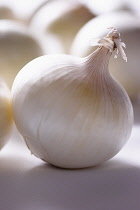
pixel 61 20
pixel 17 48
pixel 20 10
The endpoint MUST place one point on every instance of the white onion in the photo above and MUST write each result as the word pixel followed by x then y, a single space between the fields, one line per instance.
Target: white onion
pixel 61 20
pixel 69 110
pixel 17 47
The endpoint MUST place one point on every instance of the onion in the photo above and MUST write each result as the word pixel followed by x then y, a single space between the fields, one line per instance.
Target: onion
pixel 17 47
pixel 60 20
pixel 69 110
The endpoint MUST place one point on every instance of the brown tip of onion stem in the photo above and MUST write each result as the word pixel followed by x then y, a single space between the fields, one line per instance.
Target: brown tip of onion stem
pixel 114 35
pixel 112 41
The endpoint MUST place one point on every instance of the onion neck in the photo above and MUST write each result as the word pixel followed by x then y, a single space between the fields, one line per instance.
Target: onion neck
pixel 98 61
pixel 96 64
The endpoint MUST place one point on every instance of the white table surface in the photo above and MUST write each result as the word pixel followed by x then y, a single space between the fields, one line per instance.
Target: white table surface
pixel 27 183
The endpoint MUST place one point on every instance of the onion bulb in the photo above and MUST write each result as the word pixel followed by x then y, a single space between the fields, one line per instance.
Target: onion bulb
pixel 17 47
pixel 60 20
pixel 69 110
pixel 128 74
pixel 6 122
